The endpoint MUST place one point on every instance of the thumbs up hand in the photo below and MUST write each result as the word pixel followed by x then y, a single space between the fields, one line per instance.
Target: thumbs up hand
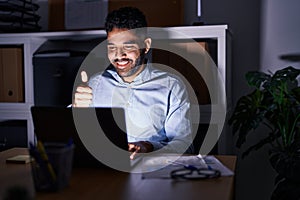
pixel 84 94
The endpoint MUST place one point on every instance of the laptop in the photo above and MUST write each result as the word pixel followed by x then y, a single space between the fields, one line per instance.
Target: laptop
pixel 57 124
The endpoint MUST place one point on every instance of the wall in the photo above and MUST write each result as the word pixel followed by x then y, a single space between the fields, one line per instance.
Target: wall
pixel 280 33
pixel 254 175
pixel 243 19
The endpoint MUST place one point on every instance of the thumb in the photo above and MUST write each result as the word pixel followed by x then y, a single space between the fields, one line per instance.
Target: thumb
pixel 84 77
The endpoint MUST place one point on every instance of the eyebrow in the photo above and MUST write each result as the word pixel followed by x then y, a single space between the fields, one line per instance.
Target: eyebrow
pixel 127 42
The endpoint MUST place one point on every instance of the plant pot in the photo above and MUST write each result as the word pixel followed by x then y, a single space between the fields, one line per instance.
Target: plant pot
pixel 286 190
pixel 286 164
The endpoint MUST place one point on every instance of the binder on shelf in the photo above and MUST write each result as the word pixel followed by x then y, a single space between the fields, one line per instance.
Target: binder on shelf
pixel 11 76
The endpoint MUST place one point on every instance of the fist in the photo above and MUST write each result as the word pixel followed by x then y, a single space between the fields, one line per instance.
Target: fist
pixel 83 95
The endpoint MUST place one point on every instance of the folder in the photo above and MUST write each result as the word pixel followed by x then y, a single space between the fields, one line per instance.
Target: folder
pixel 11 74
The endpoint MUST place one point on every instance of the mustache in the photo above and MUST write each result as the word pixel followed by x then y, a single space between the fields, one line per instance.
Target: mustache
pixel 122 60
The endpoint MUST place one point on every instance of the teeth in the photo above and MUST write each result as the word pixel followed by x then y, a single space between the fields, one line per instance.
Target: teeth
pixel 122 63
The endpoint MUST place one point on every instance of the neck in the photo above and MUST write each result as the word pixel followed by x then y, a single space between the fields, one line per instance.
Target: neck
pixel 130 79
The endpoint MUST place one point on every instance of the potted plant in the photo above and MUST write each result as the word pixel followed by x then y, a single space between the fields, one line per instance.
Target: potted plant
pixel 275 104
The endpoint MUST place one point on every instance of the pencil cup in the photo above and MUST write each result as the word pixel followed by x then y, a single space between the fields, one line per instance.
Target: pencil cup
pixel 52 171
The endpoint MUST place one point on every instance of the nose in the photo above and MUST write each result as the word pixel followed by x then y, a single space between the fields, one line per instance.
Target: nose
pixel 120 53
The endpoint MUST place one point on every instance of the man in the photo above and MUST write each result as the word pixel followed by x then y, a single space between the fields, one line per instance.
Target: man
pixel 156 103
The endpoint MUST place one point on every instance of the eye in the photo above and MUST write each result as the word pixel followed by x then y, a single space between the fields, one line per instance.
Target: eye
pixel 111 48
pixel 128 47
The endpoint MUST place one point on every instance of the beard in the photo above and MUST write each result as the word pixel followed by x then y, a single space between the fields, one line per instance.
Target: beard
pixel 136 65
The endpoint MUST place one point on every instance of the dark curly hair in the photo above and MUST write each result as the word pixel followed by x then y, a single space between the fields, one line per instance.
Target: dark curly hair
pixel 126 18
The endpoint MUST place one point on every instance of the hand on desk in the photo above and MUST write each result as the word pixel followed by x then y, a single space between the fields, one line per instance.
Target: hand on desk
pixel 84 94
pixel 139 147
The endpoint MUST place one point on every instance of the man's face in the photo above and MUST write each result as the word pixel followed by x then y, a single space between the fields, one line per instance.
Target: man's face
pixel 124 52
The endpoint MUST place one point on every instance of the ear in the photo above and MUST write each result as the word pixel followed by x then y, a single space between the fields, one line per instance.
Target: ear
pixel 147 42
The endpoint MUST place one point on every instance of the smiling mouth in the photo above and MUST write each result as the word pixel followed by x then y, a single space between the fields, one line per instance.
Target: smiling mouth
pixel 121 64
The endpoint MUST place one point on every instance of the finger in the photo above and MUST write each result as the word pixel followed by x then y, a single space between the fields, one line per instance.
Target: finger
pixel 84 77
pixel 81 104
pixel 82 89
pixel 83 101
pixel 132 156
pixel 83 96
pixel 131 147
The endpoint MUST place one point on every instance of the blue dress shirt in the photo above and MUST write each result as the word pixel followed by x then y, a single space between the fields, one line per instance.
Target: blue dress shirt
pixel 156 106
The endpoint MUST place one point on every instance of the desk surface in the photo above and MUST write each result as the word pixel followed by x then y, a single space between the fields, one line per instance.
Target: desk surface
pixel 88 183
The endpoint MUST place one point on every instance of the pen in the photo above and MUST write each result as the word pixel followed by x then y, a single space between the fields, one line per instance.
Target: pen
pixel 203 161
pixel 70 143
pixel 37 156
pixel 44 156
pixel 191 167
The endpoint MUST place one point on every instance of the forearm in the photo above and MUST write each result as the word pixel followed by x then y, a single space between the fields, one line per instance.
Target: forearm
pixel 174 146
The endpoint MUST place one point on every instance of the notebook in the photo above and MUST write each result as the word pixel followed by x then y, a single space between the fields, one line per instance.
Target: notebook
pixel 56 124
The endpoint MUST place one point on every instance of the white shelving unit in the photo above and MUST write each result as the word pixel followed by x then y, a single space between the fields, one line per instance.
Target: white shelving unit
pixel 32 41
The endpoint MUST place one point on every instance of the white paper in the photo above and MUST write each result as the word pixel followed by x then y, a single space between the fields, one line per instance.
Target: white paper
pixel 161 166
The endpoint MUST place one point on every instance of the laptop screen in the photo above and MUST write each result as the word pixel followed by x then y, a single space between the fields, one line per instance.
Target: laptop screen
pixel 56 124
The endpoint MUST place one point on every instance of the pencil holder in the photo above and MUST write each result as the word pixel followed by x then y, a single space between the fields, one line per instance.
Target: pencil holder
pixel 53 174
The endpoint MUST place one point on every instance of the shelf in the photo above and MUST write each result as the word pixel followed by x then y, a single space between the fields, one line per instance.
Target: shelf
pixel 32 41
pixel 14 111
pixel 209 31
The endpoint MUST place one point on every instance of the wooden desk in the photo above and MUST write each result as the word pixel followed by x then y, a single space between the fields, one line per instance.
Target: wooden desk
pixel 12 175
pixel 89 183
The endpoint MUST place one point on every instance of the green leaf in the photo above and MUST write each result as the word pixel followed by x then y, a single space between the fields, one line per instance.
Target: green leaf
pixel 247 115
pixel 256 79
pixel 288 73
pixel 275 103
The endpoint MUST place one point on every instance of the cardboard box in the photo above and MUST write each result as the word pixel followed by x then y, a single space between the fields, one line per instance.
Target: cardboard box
pixel 76 14
pixel 56 15
pixel 91 14
pixel 159 13
pixel 85 14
